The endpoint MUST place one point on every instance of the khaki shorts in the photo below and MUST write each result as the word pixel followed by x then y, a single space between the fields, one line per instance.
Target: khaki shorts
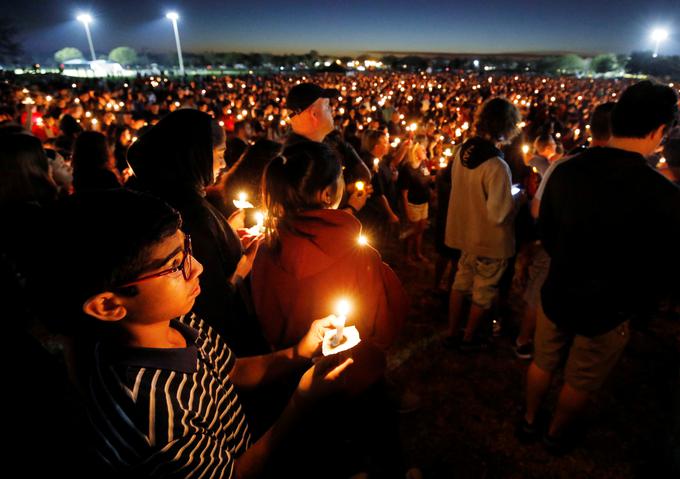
pixel 478 277
pixel 588 360
pixel 538 268
pixel 416 213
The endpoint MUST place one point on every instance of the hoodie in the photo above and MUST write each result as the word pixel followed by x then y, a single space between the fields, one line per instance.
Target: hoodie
pixel 481 206
pixel 316 266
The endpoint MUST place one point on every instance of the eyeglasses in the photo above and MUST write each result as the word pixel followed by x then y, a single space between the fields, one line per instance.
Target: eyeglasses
pixel 184 266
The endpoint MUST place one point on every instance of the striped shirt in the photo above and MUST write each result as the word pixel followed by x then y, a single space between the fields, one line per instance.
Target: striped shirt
pixel 168 412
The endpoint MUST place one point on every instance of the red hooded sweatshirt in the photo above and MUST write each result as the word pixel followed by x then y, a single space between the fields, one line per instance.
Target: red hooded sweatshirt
pixel 313 270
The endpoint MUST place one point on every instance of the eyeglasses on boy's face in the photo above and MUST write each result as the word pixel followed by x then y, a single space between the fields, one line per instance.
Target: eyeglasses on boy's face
pixel 184 266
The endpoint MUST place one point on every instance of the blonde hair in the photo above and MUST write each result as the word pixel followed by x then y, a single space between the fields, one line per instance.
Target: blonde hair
pixel 412 154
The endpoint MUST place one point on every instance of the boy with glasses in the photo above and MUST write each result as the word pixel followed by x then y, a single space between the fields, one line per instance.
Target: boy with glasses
pixel 159 384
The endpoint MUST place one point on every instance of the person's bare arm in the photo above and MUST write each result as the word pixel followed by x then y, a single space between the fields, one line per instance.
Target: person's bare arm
pixel 253 371
pixel 391 216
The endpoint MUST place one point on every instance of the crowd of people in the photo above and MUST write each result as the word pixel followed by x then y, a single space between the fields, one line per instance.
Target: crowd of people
pixel 203 231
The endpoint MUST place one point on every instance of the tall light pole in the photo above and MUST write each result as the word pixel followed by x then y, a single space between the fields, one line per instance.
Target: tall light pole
pixel 658 35
pixel 85 19
pixel 173 17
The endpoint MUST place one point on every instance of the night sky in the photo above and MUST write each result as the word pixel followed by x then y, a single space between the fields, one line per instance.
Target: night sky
pixel 335 27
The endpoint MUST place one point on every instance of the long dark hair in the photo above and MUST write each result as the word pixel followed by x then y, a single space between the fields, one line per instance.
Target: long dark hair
pixel 247 172
pixel 174 159
pixel 292 182
pixel 24 170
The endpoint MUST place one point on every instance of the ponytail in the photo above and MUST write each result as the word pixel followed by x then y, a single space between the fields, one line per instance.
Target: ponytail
pixel 292 181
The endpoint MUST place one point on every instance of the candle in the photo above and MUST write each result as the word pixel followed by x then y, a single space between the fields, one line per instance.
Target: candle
pixel 362 240
pixel 525 149
pixel 342 310
pixel 359 185
pixel 376 162
pixel 259 219
pixel 242 202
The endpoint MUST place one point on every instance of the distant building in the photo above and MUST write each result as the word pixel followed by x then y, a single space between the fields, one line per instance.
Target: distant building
pixel 97 68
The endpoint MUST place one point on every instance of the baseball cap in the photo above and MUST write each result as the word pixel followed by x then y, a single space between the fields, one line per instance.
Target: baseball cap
pixel 301 96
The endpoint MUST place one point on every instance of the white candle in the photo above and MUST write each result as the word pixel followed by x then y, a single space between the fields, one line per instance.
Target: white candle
pixel 259 218
pixel 342 309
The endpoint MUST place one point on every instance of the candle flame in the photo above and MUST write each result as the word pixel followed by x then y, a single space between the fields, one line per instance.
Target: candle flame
pixel 343 308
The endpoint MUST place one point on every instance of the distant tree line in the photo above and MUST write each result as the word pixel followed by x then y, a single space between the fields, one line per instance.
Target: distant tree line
pixel 569 64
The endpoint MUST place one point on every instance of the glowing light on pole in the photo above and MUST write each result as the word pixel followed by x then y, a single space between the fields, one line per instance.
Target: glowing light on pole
pixel 173 17
pixel 658 35
pixel 86 19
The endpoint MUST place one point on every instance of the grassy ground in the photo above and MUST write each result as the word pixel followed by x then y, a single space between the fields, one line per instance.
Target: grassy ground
pixel 470 403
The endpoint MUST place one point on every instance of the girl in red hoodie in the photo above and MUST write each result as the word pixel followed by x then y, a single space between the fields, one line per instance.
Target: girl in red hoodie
pixel 312 259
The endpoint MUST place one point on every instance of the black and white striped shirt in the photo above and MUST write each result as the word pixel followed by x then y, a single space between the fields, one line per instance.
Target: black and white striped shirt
pixel 168 412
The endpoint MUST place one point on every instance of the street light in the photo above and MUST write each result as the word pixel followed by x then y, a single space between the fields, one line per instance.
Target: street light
pixel 173 17
pixel 658 35
pixel 85 19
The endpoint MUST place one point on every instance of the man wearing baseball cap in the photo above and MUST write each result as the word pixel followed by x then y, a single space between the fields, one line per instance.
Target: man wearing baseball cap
pixel 311 116
pixel 311 119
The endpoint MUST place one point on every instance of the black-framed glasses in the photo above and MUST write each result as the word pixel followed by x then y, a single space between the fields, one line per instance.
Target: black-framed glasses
pixel 184 266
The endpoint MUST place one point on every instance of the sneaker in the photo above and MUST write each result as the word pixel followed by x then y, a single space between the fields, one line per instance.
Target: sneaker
pixel 524 351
